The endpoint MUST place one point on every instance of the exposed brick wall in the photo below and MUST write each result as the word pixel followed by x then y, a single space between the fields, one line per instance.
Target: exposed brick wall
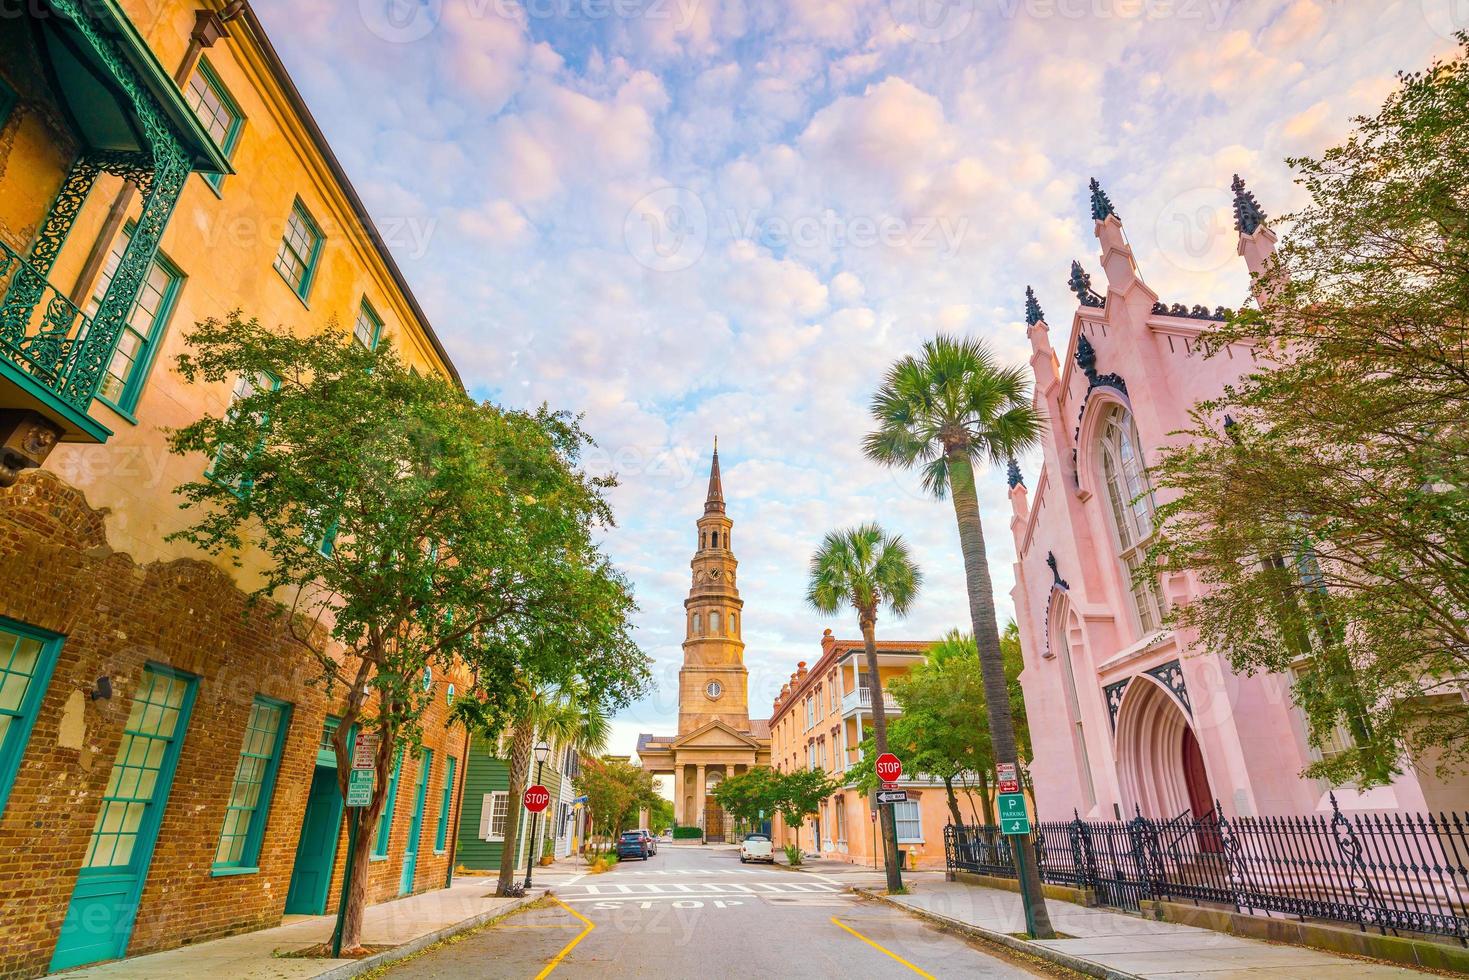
pixel 58 573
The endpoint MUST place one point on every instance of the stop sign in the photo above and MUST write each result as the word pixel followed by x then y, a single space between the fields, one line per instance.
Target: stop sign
pixel 537 798
pixel 888 767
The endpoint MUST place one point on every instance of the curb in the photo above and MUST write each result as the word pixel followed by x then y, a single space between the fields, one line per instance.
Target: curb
pixel 369 963
pixel 1005 939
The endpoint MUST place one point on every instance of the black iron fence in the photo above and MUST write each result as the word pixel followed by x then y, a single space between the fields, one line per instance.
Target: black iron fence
pixel 1399 872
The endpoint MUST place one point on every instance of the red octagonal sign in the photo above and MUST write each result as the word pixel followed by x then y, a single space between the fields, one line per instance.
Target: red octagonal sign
pixel 537 798
pixel 888 767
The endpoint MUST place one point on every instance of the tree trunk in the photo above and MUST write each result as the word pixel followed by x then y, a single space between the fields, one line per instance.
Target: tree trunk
pixel 991 662
pixel 521 744
pixel 953 801
pixel 366 818
pixel 868 622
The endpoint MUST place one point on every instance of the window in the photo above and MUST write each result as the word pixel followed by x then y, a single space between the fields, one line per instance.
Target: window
pixel 369 326
pixel 249 801
pixel 810 712
pixel 300 247
pixel 385 820
pixel 713 690
pixel 734 624
pixel 841 818
pixel 909 821
pixel 493 813
pixel 714 623
pixel 714 539
pixel 1130 499
pixel 27 657
pixel 218 113
pixel 123 380
pixel 245 387
pixel 141 771
pixel 698 628
pixel 1338 740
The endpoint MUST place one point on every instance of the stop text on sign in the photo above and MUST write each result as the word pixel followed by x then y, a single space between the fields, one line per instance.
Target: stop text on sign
pixel 537 798
pixel 888 767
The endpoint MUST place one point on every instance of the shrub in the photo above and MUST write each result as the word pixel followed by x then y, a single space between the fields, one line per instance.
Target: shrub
pixel 793 854
pixel 687 833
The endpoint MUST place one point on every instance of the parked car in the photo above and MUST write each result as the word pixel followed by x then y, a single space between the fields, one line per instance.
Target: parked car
pixel 632 845
pixel 650 838
pixel 756 847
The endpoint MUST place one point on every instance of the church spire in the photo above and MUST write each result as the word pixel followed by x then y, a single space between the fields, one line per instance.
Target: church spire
pixel 714 502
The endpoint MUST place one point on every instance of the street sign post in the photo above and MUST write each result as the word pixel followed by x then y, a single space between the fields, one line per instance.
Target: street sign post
pixel 889 768
pixel 1014 818
pixel 1007 777
pixel 892 796
pixel 537 798
pixel 359 787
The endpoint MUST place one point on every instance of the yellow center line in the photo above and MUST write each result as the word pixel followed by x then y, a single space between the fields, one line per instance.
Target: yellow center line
pixel 880 949
pixel 571 945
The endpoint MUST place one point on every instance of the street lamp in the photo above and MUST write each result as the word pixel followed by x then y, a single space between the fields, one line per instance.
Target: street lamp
pixel 543 752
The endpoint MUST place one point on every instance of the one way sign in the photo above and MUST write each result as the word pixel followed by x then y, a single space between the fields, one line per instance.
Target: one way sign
pixel 892 796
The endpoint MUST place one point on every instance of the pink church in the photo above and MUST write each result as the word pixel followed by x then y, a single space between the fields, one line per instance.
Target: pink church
pixel 1124 713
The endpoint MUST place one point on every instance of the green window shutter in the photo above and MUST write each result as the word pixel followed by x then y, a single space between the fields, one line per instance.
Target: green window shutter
pixel 132 358
pixel 218 112
pixel 299 250
pixel 385 820
pixel 441 835
pixel 248 807
pixel 27 657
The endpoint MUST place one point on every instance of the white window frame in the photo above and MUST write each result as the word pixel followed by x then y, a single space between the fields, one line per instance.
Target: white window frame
pixel 898 821
pixel 487 816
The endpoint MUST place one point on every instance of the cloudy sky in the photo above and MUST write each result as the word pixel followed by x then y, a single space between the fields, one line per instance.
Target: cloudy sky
pixel 690 217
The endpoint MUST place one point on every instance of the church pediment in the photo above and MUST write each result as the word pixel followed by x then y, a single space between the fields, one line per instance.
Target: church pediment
pixel 716 735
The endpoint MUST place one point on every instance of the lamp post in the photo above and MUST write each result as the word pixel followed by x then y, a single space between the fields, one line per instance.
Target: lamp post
pixel 543 751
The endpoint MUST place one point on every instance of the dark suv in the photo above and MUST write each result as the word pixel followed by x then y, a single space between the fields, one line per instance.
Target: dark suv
pixel 632 844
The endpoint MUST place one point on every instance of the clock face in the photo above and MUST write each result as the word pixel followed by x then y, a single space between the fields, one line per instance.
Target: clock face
pixel 713 690
pixel 714 573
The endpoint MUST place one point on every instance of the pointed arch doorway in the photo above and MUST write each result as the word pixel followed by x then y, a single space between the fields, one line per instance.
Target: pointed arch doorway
pixel 1159 756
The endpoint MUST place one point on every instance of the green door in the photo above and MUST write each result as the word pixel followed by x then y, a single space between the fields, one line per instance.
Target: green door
pixel 104 902
pixel 316 852
pixel 415 829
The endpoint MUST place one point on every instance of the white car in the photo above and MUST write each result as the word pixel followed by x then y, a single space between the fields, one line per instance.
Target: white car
pixel 756 847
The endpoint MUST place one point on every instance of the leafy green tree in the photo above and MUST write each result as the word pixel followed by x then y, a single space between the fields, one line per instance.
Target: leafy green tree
pixel 660 814
pixel 615 792
pixel 943 411
pixel 750 794
pixel 1323 501
pixel 867 568
pixel 397 525
pixel 798 794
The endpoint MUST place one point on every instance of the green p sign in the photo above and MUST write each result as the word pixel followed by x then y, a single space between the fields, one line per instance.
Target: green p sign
pixel 1014 818
pixel 359 787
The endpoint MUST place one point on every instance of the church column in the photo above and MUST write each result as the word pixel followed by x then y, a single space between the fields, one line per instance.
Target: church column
pixel 699 794
pixel 679 817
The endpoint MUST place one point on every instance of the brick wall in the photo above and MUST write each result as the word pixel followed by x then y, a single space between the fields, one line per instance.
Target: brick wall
pixel 58 573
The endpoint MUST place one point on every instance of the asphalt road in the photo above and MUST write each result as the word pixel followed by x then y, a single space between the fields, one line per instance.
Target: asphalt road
pixel 697 912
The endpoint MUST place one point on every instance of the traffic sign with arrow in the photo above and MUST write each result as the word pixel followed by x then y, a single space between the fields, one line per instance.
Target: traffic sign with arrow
pixel 892 796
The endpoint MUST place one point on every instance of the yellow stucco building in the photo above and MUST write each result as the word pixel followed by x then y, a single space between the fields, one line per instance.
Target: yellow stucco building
pixel 716 736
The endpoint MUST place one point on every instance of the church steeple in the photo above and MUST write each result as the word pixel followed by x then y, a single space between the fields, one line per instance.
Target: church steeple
pixel 714 500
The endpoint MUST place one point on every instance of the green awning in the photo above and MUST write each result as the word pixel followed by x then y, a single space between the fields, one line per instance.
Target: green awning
pixel 98 101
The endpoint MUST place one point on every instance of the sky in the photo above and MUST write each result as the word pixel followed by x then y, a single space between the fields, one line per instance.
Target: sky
pixel 684 218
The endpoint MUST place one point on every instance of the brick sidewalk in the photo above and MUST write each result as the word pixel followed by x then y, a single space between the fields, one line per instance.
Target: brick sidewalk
pixel 406 924
pixel 1106 943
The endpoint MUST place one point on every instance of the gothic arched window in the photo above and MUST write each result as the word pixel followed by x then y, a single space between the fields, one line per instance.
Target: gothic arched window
pixel 1130 508
pixel 714 539
pixel 714 623
pixel 697 627
pixel 734 624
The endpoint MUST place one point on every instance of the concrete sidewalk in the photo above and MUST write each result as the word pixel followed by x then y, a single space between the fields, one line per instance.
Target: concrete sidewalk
pixel 1114 944
pixel 406 924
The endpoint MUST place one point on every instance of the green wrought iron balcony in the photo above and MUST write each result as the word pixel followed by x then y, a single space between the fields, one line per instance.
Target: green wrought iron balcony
pixel 44 351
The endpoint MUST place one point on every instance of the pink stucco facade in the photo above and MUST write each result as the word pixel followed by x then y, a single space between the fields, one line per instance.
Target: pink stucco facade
pixel 1124 715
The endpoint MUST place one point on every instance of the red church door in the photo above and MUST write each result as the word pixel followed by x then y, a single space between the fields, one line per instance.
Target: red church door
pixel 1200 798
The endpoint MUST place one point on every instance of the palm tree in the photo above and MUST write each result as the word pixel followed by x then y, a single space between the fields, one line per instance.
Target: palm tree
pixel 866 567
pixel 943 411
pixel 563 714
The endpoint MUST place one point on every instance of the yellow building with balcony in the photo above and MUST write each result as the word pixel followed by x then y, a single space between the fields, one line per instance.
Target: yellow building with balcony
pixel 162 773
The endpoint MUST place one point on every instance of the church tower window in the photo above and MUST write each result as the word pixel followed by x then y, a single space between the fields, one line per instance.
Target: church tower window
pixel 714 623
pixel 698 625
pixel 714 539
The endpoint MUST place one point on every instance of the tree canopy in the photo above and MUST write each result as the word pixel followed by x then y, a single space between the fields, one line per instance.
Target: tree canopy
pixel 1323 501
